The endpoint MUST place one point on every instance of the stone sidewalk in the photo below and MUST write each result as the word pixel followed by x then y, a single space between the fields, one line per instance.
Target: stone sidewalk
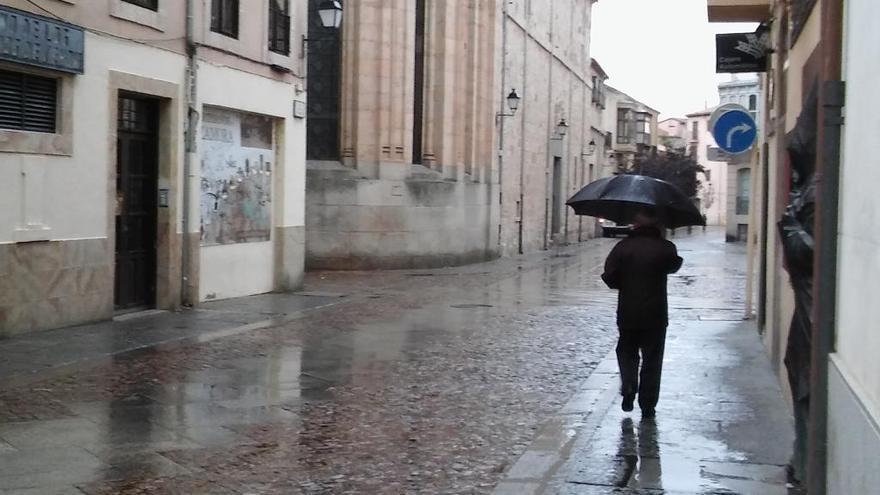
pixel 33 356
pixel 722 426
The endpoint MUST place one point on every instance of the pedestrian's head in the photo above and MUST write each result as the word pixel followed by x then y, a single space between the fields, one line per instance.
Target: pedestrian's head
pixel 646 217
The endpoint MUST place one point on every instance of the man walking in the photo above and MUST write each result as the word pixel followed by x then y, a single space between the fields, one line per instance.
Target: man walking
pixel 638 267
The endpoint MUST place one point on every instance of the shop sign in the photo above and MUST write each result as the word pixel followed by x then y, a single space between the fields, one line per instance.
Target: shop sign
pixel 39 41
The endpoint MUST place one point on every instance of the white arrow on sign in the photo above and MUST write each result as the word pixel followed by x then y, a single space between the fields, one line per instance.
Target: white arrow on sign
pixel 736 130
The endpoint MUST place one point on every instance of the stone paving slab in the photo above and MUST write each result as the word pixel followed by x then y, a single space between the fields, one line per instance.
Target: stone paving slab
pixel 429 384
pixel 719 405
pixel 32 356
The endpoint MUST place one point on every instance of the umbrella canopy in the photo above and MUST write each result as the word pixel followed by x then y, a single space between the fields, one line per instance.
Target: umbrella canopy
pixel 620 197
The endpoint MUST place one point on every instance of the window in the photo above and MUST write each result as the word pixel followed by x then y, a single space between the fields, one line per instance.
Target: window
pixel 147 4
pixel 695 130
pixel 643 128
pixel 224 17
pixel 625 126
pixel 753 107
pixel 743 190
pixel 596 91
pixel 28 102
pixel 279 26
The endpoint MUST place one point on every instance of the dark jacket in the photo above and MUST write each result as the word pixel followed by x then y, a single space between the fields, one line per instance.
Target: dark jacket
pixel 638 266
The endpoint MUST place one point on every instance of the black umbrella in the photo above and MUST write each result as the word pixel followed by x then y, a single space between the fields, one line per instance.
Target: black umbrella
pixel 620 197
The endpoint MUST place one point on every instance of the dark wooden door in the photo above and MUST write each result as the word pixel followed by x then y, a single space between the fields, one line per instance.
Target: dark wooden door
pixel 137 171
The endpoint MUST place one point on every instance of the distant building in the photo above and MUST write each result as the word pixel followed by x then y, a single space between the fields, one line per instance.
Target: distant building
pixel 746 93
pixel 673 134
pixel 633 127
pixel 702 147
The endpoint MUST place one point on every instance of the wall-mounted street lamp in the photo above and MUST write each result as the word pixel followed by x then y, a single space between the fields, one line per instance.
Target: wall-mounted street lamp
pixel 590 149
pixel 561 130
pixel 330 13
pixel 513 100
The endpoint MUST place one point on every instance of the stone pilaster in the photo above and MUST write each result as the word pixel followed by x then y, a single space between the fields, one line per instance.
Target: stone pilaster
pixel 377 86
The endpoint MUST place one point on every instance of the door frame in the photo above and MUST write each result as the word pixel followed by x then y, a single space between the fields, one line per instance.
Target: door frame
pixel 153 135
pixel 169 239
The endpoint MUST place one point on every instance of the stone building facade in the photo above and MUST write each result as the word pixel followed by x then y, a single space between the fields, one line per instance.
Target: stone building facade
pixel 414 160
pixel 821 44
pixel 400 137
pixel 162 164
pixel 633 129
pixel 544 53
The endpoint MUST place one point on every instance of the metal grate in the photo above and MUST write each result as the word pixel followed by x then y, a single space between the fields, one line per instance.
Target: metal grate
pixel 28 102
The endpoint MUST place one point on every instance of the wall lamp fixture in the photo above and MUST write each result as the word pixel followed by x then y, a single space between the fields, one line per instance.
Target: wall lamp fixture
pixel 330 12
pixel 561 130
pixel 513 100
pixel 590 149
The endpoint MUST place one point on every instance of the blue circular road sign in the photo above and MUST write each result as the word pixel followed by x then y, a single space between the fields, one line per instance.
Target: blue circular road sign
pixel 735 131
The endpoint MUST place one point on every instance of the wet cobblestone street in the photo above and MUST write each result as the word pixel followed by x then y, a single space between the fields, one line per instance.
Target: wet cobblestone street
pixel 405 382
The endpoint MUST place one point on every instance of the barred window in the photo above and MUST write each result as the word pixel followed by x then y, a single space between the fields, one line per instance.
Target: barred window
pixel 28 102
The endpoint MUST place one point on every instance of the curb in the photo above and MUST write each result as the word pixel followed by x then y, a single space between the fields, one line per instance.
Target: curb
pixel 558 435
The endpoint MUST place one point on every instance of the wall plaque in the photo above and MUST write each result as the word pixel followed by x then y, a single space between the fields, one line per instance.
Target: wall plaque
pixel 39 41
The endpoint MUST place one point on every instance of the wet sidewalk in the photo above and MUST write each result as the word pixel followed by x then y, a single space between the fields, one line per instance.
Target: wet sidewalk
pixel 722 426
pixel 423 381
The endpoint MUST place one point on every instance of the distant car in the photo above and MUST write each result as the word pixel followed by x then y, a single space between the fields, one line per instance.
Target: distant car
pixel 611 229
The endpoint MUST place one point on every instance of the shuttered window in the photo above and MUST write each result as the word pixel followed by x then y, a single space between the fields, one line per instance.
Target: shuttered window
pixel 28 102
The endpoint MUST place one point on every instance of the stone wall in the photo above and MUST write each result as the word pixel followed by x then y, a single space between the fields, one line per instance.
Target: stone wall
pixel 374 208
pixel 354 223
pixel 49 284
pixel 544 54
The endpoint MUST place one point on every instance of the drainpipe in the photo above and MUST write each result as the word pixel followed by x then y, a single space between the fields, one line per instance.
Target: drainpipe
pixel 826 228
pixel 189 148
pixel 522 147
pixel 500 120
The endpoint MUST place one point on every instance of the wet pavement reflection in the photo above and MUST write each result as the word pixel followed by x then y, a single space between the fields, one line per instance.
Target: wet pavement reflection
pixel 424 384
pixel 414 382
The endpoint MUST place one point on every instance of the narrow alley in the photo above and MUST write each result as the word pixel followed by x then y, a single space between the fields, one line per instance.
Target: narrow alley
pixel 420 381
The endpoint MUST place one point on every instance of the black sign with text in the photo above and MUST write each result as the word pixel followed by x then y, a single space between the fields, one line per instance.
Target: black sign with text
pixel 742 52
pixel 39 41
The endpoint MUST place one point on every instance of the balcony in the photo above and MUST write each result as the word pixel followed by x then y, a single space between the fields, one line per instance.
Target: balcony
pixel 739 10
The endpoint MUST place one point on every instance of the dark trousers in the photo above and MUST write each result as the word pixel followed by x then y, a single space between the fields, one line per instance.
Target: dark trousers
pixel 647 383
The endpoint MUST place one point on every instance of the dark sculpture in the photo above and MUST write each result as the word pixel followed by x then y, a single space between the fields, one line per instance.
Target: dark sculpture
pixel 796 230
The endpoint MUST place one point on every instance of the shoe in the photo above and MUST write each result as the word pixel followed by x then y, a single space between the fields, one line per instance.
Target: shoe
pixel 627 404
pixel 649 413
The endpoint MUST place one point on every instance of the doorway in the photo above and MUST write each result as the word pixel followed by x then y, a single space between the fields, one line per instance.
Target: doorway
pixel 137 171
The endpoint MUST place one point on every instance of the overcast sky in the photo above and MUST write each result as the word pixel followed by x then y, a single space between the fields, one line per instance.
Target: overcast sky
pixel 661 52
